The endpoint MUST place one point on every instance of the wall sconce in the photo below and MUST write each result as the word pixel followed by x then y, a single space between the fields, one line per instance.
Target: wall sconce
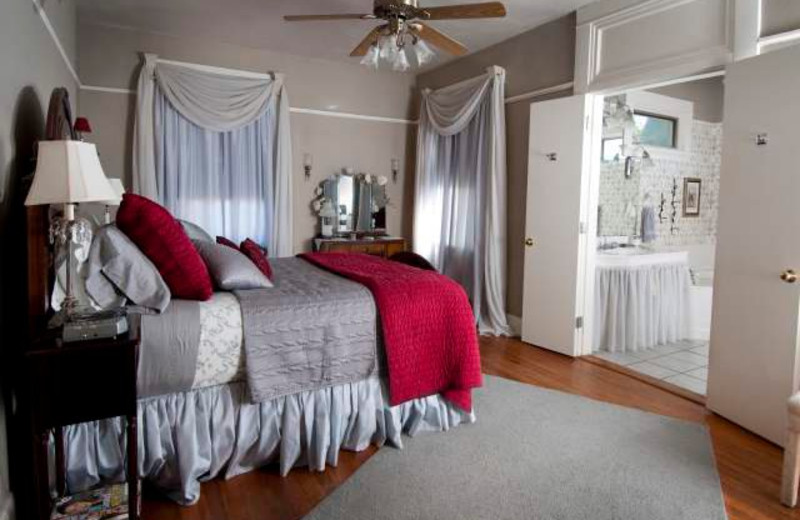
pixel 395 169
pixel 308 162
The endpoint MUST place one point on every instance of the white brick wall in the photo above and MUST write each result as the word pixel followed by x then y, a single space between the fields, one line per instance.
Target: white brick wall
pixel 617 193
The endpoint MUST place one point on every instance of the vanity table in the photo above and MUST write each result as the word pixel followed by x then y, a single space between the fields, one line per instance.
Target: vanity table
pixel 378 246
pixel 358 204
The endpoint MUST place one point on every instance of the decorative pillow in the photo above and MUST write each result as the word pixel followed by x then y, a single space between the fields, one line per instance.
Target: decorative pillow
pixel 195 232
pixel 162 239
pixel 257 255
pixel 226 242
pixel 119 271
pixel 230 269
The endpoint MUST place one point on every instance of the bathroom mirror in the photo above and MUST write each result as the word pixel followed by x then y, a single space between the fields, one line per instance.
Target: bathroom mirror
pixel 360 202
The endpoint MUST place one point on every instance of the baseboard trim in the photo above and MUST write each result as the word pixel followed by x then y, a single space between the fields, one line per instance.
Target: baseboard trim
pixel 6 506
pixel 515 322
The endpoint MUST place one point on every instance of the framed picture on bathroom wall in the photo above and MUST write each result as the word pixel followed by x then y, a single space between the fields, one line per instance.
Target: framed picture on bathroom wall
pixel 691 196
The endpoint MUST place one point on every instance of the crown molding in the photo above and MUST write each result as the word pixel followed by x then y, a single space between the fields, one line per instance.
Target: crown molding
pixel 56 40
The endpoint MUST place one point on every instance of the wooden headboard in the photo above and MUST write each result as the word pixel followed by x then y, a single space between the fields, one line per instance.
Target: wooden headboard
pixel 40 267
pixel 37 223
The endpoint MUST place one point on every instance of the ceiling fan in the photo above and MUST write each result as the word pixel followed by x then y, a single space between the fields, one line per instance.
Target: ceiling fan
pixel 403 23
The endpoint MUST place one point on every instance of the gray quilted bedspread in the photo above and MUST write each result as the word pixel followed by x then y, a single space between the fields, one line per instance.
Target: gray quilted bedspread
pixel 312 330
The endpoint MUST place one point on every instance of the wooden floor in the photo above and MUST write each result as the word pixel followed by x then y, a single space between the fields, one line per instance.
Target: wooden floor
pixel 749 467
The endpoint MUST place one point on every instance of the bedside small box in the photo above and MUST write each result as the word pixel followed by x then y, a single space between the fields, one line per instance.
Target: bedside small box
pixel 100 326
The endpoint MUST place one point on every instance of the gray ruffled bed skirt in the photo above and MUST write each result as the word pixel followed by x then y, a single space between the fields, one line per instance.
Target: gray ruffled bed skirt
pixel 187 438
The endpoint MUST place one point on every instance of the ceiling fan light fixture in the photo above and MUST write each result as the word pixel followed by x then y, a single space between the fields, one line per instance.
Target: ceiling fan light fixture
pixel 388 48
pixel 400 63
pixel 424 53
pixel 372 57
pixel 402 24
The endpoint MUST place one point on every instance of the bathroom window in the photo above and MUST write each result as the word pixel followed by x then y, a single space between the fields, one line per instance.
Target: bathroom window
pixel 655 130
pixel 612 149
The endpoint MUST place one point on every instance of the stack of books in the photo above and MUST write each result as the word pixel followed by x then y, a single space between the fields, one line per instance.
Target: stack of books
pixel 108 503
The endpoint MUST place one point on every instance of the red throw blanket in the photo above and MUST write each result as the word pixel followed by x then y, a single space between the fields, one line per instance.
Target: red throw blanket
pixel 428 326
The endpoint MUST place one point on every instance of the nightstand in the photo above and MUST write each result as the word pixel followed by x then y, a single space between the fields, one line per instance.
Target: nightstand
pixel 71 383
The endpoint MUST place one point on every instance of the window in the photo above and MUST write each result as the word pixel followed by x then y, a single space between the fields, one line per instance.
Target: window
pixel 612 149
pixel 656 130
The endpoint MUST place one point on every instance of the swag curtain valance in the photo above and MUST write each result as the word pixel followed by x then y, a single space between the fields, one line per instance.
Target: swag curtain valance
pixel 460 193
pixel 226 113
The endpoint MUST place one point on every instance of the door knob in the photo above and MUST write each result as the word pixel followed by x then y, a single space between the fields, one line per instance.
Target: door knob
pixel 789 276
pixel 529 242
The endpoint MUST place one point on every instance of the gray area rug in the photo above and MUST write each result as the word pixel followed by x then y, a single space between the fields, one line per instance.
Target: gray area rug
pixel 542 454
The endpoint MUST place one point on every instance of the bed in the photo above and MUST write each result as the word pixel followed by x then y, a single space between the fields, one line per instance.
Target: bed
pixel 199 417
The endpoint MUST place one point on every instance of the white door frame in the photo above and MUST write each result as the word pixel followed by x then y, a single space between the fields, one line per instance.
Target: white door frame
pixel 599 24
pixel 590 213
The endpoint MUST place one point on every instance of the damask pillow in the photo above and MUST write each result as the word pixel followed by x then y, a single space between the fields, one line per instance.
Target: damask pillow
pixel 162 239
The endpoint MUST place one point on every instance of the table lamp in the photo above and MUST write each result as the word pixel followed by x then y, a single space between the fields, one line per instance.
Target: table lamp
pixel 327 213
pixel 119 189
pixel 68 173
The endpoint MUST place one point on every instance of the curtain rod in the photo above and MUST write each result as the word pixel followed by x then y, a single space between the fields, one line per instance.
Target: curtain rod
pixel 221 70
pixel 490 71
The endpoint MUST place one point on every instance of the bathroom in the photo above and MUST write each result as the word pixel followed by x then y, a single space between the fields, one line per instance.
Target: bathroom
pixel 656 219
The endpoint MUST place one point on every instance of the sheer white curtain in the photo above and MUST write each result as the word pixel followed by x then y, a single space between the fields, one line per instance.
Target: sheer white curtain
pixel 215 149
pixel 460 195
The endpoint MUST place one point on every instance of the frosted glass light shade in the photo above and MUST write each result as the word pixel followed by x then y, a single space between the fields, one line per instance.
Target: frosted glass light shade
pixel 119 189
pixel 371 58
pixel 424 53
pixel 68 172
pixel 400 63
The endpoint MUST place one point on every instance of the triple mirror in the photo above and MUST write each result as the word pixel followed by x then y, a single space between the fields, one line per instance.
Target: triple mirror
pixel 359 202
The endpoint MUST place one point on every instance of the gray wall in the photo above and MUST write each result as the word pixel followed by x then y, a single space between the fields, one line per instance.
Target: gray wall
pixel 706 94
pixel 32 67
pixel 110 57
pixel 779 16
pixel 537 59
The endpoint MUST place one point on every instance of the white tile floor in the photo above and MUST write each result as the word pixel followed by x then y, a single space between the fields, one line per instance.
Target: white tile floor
pixel 684 363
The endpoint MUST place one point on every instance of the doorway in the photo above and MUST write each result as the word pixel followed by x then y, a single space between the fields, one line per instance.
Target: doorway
pixel 657 208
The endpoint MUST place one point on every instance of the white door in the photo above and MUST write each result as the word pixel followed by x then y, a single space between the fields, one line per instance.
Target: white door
pixel 753 363
pixel 560 166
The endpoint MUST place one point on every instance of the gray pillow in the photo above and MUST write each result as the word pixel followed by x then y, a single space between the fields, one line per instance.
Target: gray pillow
pixel 230 270
pixel 118 271
pixel 195 232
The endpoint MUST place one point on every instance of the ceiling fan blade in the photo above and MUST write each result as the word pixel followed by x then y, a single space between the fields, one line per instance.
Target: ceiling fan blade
pixel 438 38
pixel 367 42
pixel 453 12
pixel 318 17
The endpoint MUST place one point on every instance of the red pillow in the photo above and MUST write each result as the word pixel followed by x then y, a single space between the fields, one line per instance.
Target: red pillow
pixel 162 239
pixel 257 255
pixel 226 242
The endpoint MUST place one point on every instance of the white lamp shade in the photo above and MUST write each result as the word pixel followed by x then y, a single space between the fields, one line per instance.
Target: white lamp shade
pixel 119 190
pixel 68 172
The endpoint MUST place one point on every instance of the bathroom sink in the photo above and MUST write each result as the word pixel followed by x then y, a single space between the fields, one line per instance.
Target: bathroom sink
pixel 627 251
pixel 639 256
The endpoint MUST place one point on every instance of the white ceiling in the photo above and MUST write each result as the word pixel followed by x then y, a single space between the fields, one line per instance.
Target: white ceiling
pixel 259 23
